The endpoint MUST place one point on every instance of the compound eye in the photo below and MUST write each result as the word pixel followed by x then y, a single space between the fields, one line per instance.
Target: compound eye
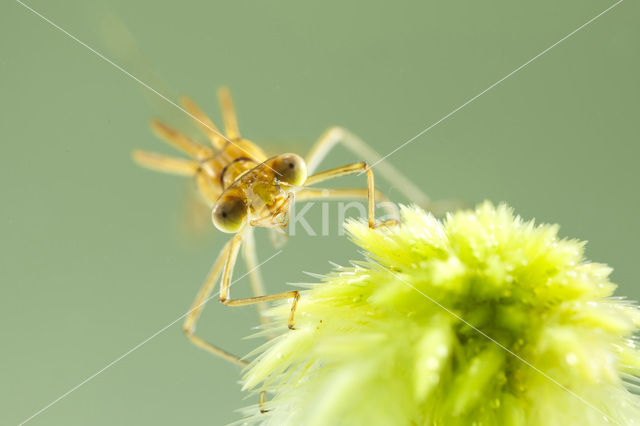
pixel 290 169
pixel 229 213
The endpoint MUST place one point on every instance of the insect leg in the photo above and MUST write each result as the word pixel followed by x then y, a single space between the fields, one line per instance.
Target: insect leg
pixel 228 114
pixel 251 261
pixel 351 169
pixel 180 141
pixel 204 122
pixel 190 322
pixel 263 395
pixel 324 193
pixel 293 294
pixel 334 135
pixel 165 164
pixel 226 282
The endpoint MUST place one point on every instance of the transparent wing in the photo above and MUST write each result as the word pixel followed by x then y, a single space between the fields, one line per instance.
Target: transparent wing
pixel 194 217
pixel 119 45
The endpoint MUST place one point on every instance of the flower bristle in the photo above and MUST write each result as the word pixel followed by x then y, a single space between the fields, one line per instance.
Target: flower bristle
pixel 479 319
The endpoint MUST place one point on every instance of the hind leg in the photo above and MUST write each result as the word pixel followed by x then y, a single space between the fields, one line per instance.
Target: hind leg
pixel 197 307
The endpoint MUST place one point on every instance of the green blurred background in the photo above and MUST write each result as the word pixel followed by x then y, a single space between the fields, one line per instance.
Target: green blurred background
pixel 97 254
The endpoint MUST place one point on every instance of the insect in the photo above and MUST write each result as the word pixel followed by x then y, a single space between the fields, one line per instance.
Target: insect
pixel 246 189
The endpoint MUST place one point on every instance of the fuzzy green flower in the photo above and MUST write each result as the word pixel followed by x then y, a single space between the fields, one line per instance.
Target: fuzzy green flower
pixel 482 319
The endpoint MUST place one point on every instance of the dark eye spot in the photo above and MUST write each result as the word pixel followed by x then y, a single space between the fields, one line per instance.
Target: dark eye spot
pixel 224 214
pixel 291 165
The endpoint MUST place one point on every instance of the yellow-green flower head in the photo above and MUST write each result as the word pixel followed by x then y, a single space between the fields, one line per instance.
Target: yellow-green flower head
pixel 482 319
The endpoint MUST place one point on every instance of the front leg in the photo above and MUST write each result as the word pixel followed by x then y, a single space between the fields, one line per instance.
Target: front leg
pixel 250 256
pixel 307 194
pixel 351 169
pixel 335 135
pixel 226 284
